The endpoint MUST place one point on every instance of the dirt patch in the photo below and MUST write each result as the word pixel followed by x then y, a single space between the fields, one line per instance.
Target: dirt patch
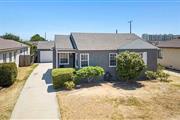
pixel 150 100
pixel 9 96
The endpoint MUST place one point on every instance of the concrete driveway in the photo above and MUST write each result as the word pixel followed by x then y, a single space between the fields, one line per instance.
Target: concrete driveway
pixel 38 98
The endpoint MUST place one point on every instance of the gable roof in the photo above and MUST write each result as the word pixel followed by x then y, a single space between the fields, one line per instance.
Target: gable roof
pixel 63 42
pixel 170 44
pixel 138 44
pixel 45 44
pixel 101 41
pixel 10 45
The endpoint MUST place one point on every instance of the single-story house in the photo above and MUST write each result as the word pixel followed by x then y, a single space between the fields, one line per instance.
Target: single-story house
pixel 10 51
pixel 78 50
pixel 170 54
pixel 45 51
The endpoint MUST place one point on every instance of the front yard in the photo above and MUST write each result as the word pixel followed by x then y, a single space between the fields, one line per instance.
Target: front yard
pixel 149 100
pixel 9 96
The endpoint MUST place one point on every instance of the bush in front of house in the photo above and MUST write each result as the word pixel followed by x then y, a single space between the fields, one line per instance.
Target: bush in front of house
pixel 151 75
pixel 129 65
pixel 89 73
pixel 69 85
pixel 160 74
pixel 8 74
pixel 62 75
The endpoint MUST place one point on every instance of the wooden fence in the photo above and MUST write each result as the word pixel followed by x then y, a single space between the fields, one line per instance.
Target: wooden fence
pixel 25 60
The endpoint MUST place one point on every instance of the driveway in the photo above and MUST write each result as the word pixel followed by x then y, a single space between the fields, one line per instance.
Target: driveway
pixel 38 98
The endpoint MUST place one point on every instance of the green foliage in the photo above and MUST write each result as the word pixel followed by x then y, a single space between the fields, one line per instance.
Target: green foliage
pixel 151 75
pixel 8 74
pixel 129 65
pixel 90 73
pixel 69 85
pixel 37 37
pixel 160 74
pixel 11 36
pixel 163 76
pixel 62 75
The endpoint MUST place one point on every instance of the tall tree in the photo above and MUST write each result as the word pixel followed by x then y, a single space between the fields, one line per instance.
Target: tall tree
pixel 11 36
pixel 37 37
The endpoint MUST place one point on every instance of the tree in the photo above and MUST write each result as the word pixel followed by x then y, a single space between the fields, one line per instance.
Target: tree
pixel 10 36
pixel 129 65
pixel 37 37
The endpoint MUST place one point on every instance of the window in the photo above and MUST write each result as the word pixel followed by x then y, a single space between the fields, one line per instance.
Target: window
pixel 160 54
pixel 84 59
pixel 4 57
pixel 10 57
pixel 143 55
pixel 15 56
pixel 112 59
pixel 64 58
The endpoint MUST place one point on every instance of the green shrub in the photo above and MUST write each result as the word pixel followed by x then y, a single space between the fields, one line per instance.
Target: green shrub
pixel 163 76
pixel 89 73
pixel 61 75
pixel 69 85
pixel 8 73
pixel 151 75
pixel 129 65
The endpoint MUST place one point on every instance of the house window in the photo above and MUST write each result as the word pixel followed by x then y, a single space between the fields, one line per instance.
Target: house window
pixel 10 57
pixel 4 57
pixel 143 55
pixel 15 56
pixel 64 58
pixel 84 59
pixel 112 59
pixel 160 54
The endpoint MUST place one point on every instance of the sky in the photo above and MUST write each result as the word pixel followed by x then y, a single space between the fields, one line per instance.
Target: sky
pixel 27 17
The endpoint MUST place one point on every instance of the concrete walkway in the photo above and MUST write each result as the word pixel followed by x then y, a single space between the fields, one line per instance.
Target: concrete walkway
pixel 175 73
pixel 38 98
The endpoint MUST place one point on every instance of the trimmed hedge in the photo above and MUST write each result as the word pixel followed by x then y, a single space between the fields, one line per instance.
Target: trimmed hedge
pixel 62 75
pixel 8 74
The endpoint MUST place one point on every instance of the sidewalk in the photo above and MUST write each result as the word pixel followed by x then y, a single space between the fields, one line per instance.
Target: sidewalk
pixel 38 98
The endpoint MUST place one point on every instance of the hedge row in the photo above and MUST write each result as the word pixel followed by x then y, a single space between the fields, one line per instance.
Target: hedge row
pixel 8 74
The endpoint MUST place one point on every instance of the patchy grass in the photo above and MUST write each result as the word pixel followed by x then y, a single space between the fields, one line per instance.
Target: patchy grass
pixel 9 95
pixel 153 100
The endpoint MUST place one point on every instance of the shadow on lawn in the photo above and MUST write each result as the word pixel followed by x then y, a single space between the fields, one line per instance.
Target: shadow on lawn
pixel 127 85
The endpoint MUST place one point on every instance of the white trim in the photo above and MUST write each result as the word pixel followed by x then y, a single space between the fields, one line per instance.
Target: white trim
pixel 80 58
pixel 76 60
pixel 109 60
pixel 60 59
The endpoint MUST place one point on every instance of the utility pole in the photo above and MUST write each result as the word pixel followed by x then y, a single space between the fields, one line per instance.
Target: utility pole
pixel 45 35
pixel 130 25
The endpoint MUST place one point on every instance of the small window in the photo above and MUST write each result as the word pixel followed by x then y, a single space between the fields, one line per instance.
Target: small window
pixel 160 54
pixel 84 59
pixel 15 56
pixel 10 57
pixel 112 59
pixel 4 57
pixel 64 58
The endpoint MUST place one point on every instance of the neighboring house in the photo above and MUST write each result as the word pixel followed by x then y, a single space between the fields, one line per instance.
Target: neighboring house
pixel 100 49
pixel 170 54
pixel 45 51
pixel 10 51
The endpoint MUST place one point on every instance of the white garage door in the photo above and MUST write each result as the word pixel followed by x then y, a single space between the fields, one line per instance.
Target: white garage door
pixel 46 56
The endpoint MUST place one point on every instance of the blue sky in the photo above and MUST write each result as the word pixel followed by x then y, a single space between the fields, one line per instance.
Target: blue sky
pixel 28 17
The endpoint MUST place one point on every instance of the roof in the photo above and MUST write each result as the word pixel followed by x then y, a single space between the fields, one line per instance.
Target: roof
pixel 45 44
pixel 10 45
pixel 63 42
pixel 138 44
pixel 108 41
pixel 175 43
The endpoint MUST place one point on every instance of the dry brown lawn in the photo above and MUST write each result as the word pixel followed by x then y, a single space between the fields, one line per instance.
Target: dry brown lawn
pixel 8 96
pixel 145 100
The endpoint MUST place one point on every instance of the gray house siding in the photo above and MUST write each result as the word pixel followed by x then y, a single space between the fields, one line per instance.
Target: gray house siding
pixel 99 58
pixel 54 58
